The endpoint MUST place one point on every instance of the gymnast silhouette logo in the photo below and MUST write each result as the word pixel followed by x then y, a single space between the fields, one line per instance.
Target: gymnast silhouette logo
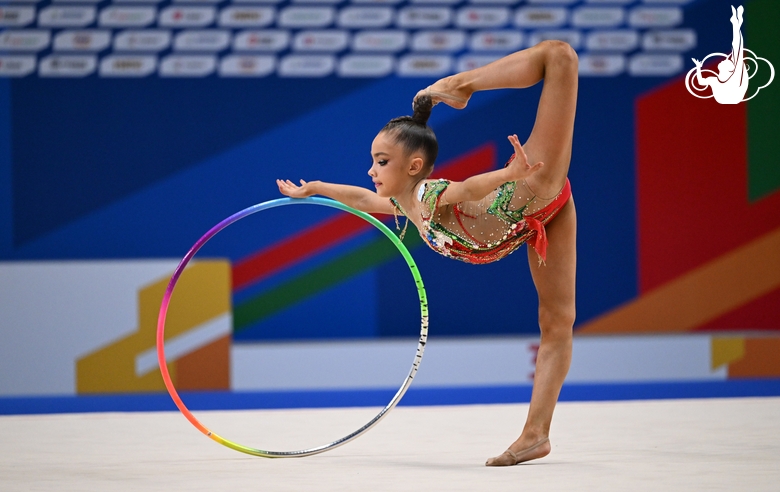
pixel 730 84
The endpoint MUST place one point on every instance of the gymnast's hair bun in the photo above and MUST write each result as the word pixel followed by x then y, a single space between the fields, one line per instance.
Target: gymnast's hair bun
pixel 422 107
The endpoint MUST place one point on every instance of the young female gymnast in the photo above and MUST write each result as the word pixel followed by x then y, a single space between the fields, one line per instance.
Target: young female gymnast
pixel 487 216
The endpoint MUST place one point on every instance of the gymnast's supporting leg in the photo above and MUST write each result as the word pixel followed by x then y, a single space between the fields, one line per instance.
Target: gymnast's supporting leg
pixel 555 286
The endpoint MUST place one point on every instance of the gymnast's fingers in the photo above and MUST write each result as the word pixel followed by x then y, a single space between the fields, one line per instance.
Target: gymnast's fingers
pixel 519 152
pixel 515 142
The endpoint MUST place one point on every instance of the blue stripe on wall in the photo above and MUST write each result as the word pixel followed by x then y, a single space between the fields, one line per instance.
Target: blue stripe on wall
pixel 6 189
pixel 369 398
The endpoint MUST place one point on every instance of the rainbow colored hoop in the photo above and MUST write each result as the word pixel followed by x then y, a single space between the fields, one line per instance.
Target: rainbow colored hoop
pixel 236 217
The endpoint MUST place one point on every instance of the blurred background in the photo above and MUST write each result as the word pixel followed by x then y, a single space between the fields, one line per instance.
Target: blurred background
pixel 128 128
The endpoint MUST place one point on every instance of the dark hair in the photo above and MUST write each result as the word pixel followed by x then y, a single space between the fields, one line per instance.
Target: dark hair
pixel 413 132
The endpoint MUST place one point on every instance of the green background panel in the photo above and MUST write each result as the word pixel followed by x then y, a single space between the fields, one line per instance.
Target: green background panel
pixel 762 20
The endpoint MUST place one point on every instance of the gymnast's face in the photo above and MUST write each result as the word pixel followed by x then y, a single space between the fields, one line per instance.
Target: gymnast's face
pixel 390 166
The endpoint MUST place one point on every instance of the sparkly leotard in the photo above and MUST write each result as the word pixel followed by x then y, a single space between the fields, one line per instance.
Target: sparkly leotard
pixel 487 230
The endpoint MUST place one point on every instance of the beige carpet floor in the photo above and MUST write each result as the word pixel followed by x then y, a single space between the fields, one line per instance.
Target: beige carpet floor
pixel 707 444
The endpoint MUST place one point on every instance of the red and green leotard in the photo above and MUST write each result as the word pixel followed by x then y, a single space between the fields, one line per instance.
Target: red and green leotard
pixel 489 229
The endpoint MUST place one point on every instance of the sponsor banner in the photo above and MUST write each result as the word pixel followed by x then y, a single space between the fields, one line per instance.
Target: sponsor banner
pixel 142 40
pixel 366 66
pixel 557 2
pixel 187 16
pixel 247 66
pixel 24 40
pixel 16 16
pixel 470 62
pixel 379 2
pixel 265 40
pixel 619 40
pixel 597 17
pixel 574 38
pixel 127 66
pixel 250 16
pixel 365 17
pixel 671 40
pixel 602 65
pixel 307 17
pixel 424 65
pixel 330 40
pixel 496 41
pixel 655 17
pixel 494 2
pixel 655 65
pixel 16 66
pixel 611 2
pixel 481 17
pixel 202 40
pixel 66 16
pixel 127 16
pixel 541 16
pixel 678 2
pixel 187 66
pixel 307 66
pixel 86 40
pixel 420 17
pixel 389 41
pixel 439 40
pixel 67 65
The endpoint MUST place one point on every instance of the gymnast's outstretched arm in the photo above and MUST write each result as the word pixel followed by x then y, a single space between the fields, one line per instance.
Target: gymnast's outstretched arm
pixel 354 196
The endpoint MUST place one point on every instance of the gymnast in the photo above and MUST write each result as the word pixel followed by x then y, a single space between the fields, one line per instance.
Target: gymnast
pixel 488 216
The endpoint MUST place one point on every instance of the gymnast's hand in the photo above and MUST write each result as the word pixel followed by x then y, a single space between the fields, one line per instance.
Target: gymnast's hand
pixel 292 190
pixel 519 168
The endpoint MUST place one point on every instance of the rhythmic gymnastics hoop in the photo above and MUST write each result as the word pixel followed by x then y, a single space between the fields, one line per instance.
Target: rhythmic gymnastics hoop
pixel 236 217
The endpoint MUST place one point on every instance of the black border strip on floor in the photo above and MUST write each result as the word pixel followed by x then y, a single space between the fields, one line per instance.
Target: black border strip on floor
pixel 228 400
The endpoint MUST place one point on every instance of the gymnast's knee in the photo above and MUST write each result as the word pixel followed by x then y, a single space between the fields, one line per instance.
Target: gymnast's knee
pixel 557 322
pixel 561 55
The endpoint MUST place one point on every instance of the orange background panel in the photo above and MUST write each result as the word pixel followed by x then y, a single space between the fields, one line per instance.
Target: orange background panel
pixel 205 368
pixel 762 359
pixel 202 293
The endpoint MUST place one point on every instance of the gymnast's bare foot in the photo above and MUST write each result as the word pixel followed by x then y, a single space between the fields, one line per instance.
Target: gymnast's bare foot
pixel 521 451
pixel 446 90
